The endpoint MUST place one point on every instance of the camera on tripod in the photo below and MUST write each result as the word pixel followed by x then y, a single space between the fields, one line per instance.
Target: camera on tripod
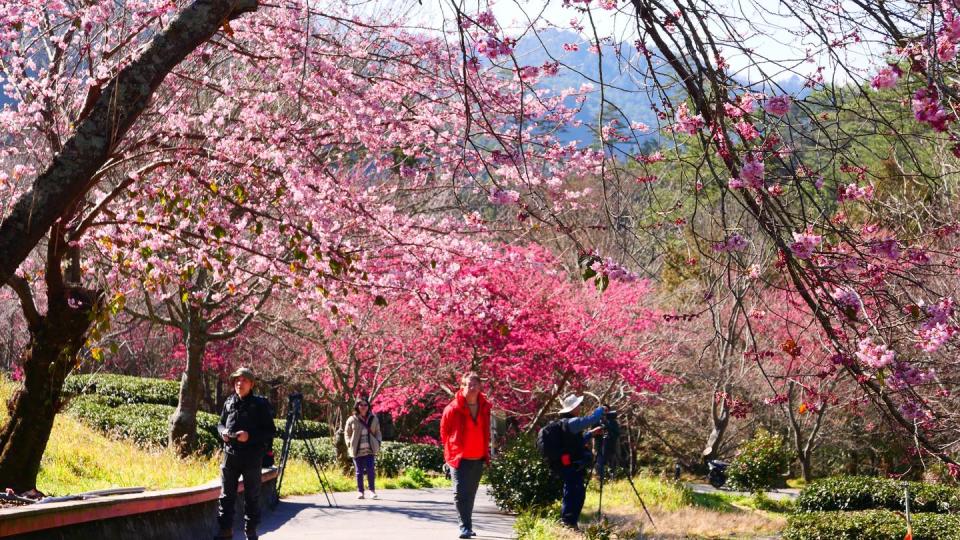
pixel 293 428
pixel 295 404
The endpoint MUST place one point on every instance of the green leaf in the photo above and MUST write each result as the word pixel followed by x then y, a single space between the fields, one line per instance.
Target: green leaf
pixel 602 282
pixel 219 232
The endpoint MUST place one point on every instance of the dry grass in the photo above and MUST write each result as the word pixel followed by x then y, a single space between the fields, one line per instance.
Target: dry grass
pixel 677 513
pixel 693 522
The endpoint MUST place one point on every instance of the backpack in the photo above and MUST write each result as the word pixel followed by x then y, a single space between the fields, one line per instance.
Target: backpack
pixel 558 446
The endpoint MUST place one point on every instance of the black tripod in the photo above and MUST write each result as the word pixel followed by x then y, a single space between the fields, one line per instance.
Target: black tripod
pixel 611 432
pixel 294 425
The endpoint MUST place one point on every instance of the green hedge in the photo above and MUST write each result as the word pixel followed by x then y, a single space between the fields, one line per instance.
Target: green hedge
pixel 309 429
pixel 146 424
pixel 520 479
pixel 121 389
pixel 125 389
pixel 759 463
pixel 870 525
pixel 846 493
pixel 323 449
pixel 396 457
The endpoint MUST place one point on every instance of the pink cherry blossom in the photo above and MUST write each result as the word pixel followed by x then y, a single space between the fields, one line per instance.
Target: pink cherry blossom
pixel 873 355
pixel 777 105
pixel 804 244
pixel 687 123
pixel 886 78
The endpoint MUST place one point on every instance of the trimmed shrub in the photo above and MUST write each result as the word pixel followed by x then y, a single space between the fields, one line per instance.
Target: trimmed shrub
pixel 119 389
pixel 866 493
pixel 760 463
pixel 396 457
pixel 870 525
pixel 310 429
pixel 325 454
pixel 146 424
pixel 520 479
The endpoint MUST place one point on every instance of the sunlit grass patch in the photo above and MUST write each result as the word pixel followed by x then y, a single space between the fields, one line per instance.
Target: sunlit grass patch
pixel 79 459
pixel 676 510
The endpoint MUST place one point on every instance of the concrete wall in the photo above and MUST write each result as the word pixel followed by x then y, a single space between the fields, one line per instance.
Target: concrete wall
pixel 175 514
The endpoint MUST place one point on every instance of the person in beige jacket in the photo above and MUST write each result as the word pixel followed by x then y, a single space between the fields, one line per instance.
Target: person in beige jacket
pixel 363 437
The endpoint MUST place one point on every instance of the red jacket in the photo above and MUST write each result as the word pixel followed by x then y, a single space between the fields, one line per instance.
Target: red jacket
pixel 453 425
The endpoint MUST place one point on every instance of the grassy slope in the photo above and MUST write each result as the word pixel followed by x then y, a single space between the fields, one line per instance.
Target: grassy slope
pixel 80 459
pixel 676 511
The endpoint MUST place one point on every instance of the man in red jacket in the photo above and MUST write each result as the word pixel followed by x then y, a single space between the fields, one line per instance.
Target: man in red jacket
pixel 465 432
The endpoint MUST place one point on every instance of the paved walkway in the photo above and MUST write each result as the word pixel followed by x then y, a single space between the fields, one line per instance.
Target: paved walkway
pixel 399 514
pixel 776 494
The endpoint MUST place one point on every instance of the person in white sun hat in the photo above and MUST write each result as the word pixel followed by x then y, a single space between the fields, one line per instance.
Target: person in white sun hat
pixel 574 472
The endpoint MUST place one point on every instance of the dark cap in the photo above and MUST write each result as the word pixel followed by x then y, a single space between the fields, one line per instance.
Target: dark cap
pixel 244 372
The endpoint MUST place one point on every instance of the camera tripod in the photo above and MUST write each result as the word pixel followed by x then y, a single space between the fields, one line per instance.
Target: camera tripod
pixel 294 425
pixel 610 433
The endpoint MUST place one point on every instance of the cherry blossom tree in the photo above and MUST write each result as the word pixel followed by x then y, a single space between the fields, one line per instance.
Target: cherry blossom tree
pixel 779 172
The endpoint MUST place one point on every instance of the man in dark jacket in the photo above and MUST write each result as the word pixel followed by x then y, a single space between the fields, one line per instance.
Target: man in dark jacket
pixel 574 474
pixel 246 427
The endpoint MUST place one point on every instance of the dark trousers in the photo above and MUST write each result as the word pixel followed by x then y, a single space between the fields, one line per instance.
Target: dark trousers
pixel 365 466
pixel 234 466
pixel 466 480
pixel 574 493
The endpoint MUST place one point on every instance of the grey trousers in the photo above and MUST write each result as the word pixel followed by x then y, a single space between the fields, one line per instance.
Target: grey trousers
pixel 466 480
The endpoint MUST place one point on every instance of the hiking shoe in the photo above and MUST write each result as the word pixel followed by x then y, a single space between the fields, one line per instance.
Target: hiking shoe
pixel 373 495
pixel 360 496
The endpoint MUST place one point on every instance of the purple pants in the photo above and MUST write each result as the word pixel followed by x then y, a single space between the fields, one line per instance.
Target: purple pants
pixel 364 465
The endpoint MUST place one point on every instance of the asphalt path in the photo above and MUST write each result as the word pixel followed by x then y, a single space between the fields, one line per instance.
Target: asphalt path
pixel 399 514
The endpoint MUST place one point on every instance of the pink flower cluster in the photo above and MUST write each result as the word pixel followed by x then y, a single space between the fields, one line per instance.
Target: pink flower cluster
pixel 948 37
pixel 940 312
pixel 886 78
pixel 493 47
pixel 503 196
pixel 613 270
pixel 777 105
pixel 905 375
pixel 751 174
pixel 936 330
pixel 734 242
pixel 853 192
pixel 655 157
pixel 911 410
pixel 932 337
pixel 874 356
pixel 887 247
pixel 846 297
pixel 927 109
pixel 685 123
pixel 745 104
pixel 746 130
pixel 804 244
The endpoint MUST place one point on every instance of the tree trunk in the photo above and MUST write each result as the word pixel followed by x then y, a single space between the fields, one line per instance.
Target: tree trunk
pixel 343 410
pixel 48 359
pixel 720 418
pixel 805 467
pixel 183 423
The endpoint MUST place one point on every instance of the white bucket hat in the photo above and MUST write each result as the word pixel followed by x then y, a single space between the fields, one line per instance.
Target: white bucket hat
pixel 570 403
